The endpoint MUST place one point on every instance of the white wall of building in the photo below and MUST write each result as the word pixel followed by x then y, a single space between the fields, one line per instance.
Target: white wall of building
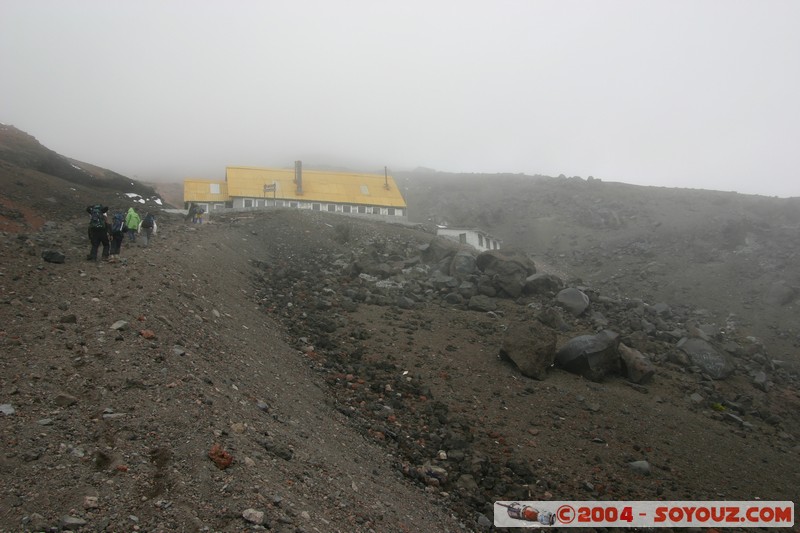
pixel 477 239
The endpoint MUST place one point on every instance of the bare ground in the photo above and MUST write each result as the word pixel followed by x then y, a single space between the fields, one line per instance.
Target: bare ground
pixel 228 340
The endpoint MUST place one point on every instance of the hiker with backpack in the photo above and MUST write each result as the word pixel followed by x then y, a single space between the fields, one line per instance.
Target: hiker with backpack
pixel 132 220
pixel 98 230
pixel 118 230
pixel 149 226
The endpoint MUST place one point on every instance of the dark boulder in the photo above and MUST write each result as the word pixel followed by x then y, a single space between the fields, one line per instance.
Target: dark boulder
pixel 704 356
pixel 507 269
pixel 573 300
pixel 591 356
pixel 542 284
pixel 53 256
pixel 531 346
pixel 482 303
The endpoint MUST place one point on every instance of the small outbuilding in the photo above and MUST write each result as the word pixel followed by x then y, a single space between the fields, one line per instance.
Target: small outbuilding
pixel 478 239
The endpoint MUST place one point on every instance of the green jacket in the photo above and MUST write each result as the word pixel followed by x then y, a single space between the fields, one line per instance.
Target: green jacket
pixel 132 219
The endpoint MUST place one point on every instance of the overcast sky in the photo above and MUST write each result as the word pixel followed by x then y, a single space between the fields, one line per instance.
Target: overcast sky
pixel 696 93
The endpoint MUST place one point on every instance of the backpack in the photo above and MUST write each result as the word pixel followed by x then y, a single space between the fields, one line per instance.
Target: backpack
pixel 149 221
pixel 118 226
pixel 97 220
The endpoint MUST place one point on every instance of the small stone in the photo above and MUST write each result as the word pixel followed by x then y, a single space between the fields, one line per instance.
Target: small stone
pixel 119 325
pixel 641 467
pixel 65 400
pixel 72 523
pixel 253 516
pixel 53 256
pixel 91 502
pixel 45 422
pixel 7 409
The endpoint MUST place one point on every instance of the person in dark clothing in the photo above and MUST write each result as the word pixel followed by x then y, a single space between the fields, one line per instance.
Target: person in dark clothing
pixel 98 230
pixel 191 214
pixel 117 233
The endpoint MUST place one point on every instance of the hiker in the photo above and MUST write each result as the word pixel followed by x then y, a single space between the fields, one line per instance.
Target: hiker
pixel 117 232
pixel 192 214
pixel 199 215
pixel 148 224
pixel 98 230
pixel 132 221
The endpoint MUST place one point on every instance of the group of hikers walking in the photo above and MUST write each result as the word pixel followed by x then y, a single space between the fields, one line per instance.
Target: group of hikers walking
pixel 110 230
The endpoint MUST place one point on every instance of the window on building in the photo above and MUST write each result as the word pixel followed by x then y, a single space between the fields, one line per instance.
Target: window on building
pixel 248 202
pixel 462 238
pixel 214 188
pixel 294 204
pixel 316 207
pixel 494 244
pixel 331 208
pixel 480 239
pixel 345 209
pixel 362 209
pixel 390 211
pixel 364 190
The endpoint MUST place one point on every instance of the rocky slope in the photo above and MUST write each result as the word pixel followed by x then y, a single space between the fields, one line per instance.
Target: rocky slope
pixel 351 382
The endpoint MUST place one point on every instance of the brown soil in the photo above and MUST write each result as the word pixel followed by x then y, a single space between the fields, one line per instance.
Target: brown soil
pixel 331 437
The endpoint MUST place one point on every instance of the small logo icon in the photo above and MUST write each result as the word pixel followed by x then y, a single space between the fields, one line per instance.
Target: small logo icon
pixel 565 514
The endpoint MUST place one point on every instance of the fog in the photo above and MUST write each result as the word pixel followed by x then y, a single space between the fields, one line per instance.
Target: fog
pixel 698 93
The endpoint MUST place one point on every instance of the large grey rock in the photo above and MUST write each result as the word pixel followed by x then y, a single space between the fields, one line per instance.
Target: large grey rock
pixel 531 346
pixel 591 356
pixel 703 355
pixel 542 284
pixel 463 264
pixel 551 316
pixel 443 281
pixel 467 289
pixel 507 269
pixel 482 303
pixel 574 300
pixel 636 366
pixel 438 249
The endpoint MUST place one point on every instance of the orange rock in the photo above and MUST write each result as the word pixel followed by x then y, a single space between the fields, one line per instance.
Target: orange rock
pixel 220 457
pixel 147 334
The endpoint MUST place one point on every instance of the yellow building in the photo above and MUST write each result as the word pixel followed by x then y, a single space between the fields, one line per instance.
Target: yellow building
pixel 335 192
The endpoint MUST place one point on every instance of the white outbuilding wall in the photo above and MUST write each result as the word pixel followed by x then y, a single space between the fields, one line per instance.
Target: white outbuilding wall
pixel 480 240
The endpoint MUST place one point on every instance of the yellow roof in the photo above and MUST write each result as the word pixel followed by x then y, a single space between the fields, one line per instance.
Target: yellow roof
pixel 318 186
pixel 195 190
